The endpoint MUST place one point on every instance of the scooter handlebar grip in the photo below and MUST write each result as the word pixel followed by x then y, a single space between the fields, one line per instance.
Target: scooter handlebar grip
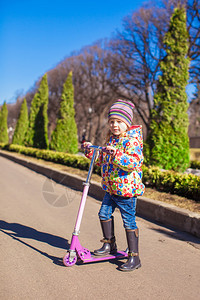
pixel 85 147
pixel 103 149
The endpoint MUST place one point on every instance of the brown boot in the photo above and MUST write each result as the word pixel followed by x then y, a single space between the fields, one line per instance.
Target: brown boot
pixel 109 245
pixel 133 261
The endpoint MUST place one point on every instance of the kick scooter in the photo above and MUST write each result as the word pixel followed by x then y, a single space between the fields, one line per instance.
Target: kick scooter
pixel 76 251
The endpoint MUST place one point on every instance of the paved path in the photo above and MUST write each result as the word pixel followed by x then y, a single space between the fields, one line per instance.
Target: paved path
pixel 37 218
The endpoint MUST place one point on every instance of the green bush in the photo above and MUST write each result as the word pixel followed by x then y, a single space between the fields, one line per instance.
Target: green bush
pixel 22 125
pixel 71 160
pixel 168 138
pixel 37 132
pixel 3 124
pixel 64 137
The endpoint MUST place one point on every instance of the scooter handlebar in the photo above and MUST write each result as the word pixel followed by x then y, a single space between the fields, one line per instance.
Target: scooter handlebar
pixel 99 148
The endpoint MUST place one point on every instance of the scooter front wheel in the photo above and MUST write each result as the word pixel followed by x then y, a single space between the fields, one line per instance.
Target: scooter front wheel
pixel 68 262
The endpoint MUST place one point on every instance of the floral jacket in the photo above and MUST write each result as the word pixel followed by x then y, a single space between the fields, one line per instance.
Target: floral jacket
pixel 122 175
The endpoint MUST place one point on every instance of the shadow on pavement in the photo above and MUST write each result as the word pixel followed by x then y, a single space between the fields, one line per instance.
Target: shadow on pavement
pixel 17 231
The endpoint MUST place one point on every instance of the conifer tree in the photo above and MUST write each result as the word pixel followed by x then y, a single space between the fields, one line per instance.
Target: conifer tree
pixel 3 124
pixel 169 142
pixel 22 125
pixel 37 133
pixel 64 137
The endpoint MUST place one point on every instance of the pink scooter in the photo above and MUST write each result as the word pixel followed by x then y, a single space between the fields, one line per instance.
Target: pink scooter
pixel 76 251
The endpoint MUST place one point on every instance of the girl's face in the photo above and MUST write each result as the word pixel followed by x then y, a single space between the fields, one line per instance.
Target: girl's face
pixel 117 126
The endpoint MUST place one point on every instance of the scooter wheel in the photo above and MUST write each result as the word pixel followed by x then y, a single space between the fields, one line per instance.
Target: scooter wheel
pixel 67 262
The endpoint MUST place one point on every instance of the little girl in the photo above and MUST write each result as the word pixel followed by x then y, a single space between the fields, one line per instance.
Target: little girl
pixel 122 180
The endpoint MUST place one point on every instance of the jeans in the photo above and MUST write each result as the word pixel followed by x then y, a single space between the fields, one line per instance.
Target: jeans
pixel 127 207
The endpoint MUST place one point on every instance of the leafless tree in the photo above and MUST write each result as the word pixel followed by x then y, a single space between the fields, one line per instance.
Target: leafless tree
pixel 194 115
pixel 92 92
pixel 193 21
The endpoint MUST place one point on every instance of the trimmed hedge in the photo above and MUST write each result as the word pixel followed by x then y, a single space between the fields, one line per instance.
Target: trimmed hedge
pixel 186 185
pixel 70 160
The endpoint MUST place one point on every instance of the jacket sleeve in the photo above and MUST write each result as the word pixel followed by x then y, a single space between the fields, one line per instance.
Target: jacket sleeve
pixel 130 157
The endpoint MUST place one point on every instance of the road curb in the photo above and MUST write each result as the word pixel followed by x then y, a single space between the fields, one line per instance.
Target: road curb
pixel 164 213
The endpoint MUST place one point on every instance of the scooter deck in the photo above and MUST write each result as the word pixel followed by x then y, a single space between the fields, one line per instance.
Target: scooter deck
pixel 93 258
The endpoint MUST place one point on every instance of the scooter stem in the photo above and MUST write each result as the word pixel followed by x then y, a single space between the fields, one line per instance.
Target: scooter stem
pixel 91 166
pixel 84 195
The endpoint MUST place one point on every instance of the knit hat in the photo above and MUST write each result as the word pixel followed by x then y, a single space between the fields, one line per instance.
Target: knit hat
pixel 122 110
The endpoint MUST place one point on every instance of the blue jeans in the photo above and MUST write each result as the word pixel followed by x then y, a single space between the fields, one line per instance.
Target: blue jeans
pixel 127 207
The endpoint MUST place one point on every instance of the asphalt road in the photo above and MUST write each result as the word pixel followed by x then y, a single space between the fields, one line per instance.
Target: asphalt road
pixel 37 218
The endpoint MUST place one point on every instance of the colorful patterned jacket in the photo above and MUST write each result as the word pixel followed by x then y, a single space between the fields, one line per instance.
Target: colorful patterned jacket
pixel 122 175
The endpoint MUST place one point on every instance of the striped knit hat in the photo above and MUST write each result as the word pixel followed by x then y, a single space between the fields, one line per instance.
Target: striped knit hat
pixel 122 110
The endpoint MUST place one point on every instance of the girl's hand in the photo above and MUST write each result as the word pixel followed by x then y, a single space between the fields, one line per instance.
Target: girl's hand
pixel 112 150
pixel 84 146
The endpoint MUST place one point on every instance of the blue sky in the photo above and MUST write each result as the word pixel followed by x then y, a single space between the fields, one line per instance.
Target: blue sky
pixel 36 35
